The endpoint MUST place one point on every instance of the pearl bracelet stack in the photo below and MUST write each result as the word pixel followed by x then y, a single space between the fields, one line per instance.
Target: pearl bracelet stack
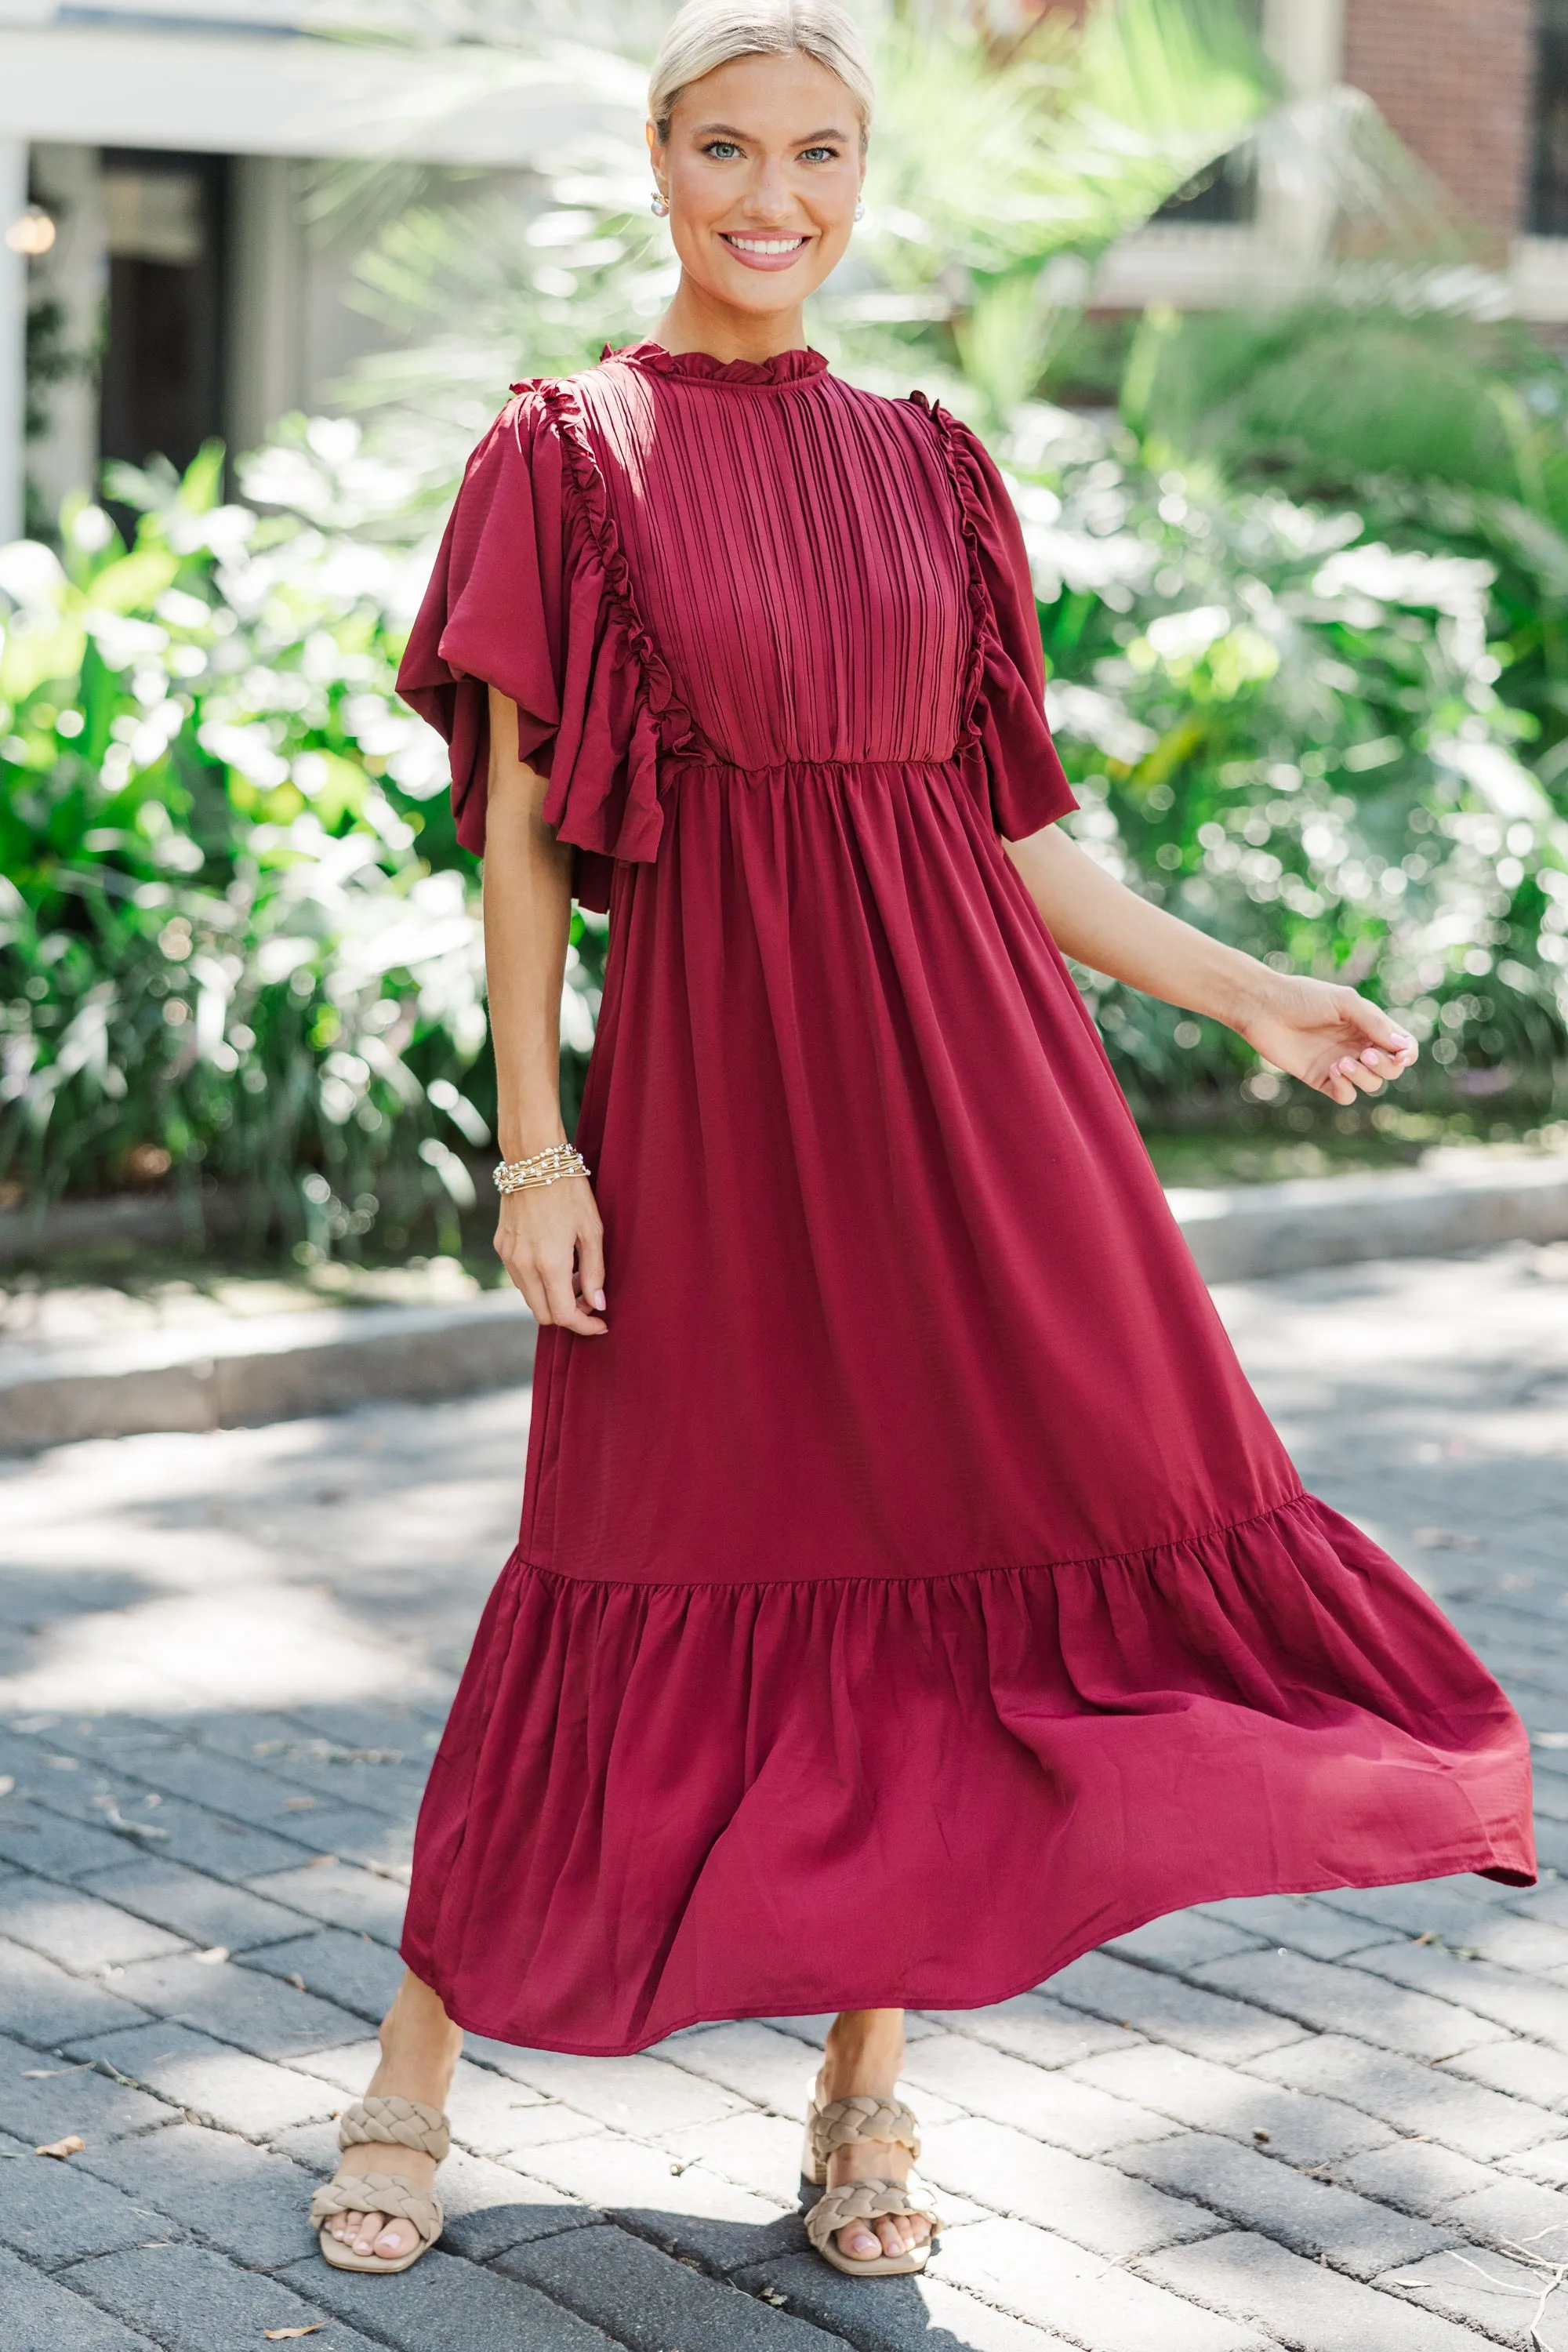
pixel 546 1166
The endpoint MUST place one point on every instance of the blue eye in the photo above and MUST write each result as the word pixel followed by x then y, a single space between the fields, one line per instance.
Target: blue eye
pixel 818 154
pixel 721 148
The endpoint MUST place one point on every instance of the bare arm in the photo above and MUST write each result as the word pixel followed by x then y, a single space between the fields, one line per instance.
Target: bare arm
pixel 548 1236
pixel 1328 1036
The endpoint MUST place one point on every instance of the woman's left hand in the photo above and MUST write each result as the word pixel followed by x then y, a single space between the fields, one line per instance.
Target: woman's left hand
pixel 1329 1037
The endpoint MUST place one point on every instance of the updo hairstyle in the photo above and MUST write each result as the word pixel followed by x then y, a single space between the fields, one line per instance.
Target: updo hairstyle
pixel 708 34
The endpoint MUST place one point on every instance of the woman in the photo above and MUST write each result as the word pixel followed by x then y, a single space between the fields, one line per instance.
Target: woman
pixel 910 1593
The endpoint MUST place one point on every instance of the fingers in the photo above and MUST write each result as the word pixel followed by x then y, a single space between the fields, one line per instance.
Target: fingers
pixel 565 1307
pixel 552 1251
pixel 591 1266
pixel 1382 1031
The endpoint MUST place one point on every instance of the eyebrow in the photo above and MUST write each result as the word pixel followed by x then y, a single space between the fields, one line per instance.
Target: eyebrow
pixel 728 131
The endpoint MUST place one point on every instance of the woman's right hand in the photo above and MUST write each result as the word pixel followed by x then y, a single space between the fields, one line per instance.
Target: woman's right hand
pixel 552 1244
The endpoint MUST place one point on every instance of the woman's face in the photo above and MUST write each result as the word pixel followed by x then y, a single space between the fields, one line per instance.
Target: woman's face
pixel 762 170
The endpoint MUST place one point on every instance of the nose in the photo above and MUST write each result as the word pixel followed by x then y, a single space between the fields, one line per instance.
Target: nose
pixel 768 198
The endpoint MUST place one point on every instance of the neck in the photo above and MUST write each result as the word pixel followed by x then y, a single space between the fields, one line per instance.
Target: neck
pixel 696 322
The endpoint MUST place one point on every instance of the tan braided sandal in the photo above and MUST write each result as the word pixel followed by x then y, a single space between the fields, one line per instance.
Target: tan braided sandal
pixel 383 2123
pixel 842 2123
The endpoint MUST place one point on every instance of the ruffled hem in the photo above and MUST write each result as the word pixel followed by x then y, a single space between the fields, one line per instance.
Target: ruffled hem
pixel 660 1805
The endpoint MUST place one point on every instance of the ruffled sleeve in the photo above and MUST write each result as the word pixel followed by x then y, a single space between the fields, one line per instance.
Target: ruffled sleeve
pixel 520 599
pixel 1029 785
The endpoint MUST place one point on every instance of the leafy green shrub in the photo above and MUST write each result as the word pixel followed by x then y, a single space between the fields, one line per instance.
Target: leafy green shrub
pixel 237 937
pixel 1297 734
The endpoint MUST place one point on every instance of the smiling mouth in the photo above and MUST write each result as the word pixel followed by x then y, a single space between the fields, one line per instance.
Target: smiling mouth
pixel 765 252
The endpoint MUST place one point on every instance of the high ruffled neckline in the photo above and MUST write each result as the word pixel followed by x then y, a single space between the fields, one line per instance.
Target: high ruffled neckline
pixel 700 367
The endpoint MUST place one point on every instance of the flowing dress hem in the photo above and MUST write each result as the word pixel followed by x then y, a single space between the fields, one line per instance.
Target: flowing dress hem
pixel 462 2013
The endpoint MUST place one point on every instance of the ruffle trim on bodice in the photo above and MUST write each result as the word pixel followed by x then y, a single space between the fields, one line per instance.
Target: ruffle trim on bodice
pixel 621 713
pixel 700 367
pixel 1004 695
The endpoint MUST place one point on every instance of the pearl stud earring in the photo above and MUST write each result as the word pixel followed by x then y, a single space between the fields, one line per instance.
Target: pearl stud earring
pixel 859 212
pixel 659 203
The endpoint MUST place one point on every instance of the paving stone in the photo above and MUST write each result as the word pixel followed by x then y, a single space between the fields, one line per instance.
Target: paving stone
pixel 350 1970
pixel 903 2314
pixel 1414 2099
pixel 756 2061
pixel 1258 2192
pixel 490 2207
pixel 1548 2165
pixel 78 1930
pixel 1506 1999
pixel 1487 2292
pixel 239 2005
pixel 1191 2019
pixel 1040 2277
pixel 616 2280
pixel 243 1791
pixel 45 2097
pixel 445 2302
pixel 240 2198
pixel 1058 2109
pixel 43 2316
pixel 1034 2027
pixel 178 1831
pixel 217 2084
pixel 56 2213
pixel 341 1894
pixel 41 2001
pixel 1303 2128
pixel 644 2096
pixel 194 2300
pixel 1511 1942
pixel 759 2152
pixel 1303 1923
pixel 675 2201
pixel 1515 2213
pixel 1349 2000
pixel 205 1911
pixel 1308 2307
pixel 38 1840
pixel 1083 2200
pixel 1448 1907
pixel 1524 2069
pixel 1181 1941
pixel 1417 2174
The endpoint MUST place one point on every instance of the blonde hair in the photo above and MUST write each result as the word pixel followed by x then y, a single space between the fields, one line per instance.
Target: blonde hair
pixel 708 34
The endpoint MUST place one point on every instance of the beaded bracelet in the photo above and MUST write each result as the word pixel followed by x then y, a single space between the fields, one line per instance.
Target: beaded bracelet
pixel 546 1166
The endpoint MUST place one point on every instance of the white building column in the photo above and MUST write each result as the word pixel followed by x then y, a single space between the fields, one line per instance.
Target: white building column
pixel 68 181
pixel 1306 39
pixel 13 341
pixel 266 300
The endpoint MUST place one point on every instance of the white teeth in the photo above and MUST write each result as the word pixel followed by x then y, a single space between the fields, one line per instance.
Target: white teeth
pixel 767 243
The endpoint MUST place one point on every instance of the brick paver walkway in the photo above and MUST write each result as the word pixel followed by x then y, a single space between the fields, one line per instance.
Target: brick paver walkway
pixel 1338 2123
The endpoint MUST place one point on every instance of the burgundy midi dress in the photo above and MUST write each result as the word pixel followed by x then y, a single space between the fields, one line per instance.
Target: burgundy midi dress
pixel 910 1593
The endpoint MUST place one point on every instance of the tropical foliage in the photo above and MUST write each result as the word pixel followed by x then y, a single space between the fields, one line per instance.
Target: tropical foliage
pixel 237 934
pixel 1303 585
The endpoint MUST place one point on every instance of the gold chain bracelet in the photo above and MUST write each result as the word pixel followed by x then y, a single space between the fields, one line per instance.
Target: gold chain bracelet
pixel 546 1166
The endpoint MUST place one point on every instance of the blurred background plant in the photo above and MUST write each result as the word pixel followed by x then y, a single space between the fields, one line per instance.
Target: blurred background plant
pixel 238 937
pixel 1301 574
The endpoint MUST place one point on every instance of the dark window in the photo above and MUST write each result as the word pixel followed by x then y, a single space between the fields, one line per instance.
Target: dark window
pixel 1548 177
pixel 1226 191
pixel 162 359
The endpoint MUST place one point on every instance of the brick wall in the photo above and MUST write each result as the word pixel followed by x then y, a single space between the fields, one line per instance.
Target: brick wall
pixel 1454 78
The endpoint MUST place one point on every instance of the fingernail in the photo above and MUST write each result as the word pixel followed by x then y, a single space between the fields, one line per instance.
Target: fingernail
pixel 599 1300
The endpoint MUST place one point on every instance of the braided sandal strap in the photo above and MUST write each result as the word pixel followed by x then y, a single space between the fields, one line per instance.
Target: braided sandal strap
pixel 378 2192
pixel 396 2123
pixel 863 2200
pixel 843 2123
